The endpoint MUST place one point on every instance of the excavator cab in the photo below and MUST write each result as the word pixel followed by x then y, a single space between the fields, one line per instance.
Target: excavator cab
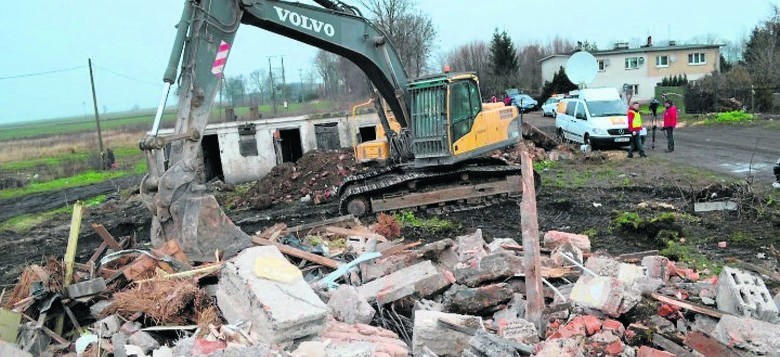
pixel 450 122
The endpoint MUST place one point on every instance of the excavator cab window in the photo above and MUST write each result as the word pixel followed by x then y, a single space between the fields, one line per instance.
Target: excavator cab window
pixel 465 104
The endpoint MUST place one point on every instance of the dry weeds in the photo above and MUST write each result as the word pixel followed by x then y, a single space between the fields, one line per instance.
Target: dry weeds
pixel 387 226
pixel 165 302
pixel 21 290
pixel 28 149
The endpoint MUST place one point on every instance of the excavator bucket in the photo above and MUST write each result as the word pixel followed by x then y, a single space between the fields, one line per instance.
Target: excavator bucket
pixel 203 230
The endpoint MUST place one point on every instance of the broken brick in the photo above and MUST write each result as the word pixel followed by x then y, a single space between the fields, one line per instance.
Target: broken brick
pixel 492 267
pixel 473 300
pixel 615 326
pixel 421 279
pixel 440 339
pixel 645 351
pixel 614 348
pixel 667 310
pixel 656 266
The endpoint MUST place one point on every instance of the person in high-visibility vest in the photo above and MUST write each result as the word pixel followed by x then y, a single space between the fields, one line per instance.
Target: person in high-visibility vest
pixel 635 127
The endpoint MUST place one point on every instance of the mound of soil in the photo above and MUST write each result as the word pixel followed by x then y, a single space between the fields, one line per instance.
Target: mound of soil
pixel 314 176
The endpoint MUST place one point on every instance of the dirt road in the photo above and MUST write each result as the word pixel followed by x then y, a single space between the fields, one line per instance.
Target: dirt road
pixel 741 151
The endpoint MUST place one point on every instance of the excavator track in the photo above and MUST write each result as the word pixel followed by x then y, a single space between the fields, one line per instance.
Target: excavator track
pixel 437 190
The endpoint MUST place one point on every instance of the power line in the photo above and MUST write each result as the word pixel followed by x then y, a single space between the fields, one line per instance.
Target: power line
pixel 42 73
pixel 126 76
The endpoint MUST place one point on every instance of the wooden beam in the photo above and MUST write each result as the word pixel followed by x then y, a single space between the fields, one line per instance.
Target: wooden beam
pixel 686 305
pixel 73 239
pixel 295 252
pixel 532 264
pixel 107 237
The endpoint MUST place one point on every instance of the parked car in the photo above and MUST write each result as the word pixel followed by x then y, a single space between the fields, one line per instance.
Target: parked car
pixel 523 102
pixel 550 105
pixel 593 116
pixel 777 174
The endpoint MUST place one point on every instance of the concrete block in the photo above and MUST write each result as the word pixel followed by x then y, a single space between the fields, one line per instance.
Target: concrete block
pixel 428 305
pixel 561 347
pixel 442 340
pixel 515 310
pixel 492 267
pixel 750 334
pixel 421 279
pixel 355 337
pixel 474 300
pixel 519 330
pixel 487 344
pixel 553 239
pixel 714 206
pixel 346 305
pixel 744 293
pixel 86 288
pixel 495 245
pixel 603 266
pixel 629 273
pixel 378 268
pixel 8 349
pixel 470 249
pixel 143 340
pixel 96 310
pixel 657 266
pixel 606 294
pixel 279 312
pixel 108 326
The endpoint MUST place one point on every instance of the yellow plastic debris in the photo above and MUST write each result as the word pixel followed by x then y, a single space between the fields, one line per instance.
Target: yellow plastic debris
pixel 277 269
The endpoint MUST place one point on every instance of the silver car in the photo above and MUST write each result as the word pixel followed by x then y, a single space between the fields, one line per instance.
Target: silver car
pixel 550 105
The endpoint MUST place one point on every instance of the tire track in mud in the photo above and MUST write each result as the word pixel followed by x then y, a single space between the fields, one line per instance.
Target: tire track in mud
pixel 47 201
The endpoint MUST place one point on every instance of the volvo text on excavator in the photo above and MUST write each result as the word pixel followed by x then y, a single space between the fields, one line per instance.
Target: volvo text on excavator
pixel 437 131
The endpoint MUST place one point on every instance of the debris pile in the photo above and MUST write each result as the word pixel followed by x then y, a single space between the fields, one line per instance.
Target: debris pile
pixel 314 177
pixel 337 287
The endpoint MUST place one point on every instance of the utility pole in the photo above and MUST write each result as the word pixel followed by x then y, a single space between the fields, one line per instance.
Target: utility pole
pixel 284 83
pixel 97 116
pixel 273 85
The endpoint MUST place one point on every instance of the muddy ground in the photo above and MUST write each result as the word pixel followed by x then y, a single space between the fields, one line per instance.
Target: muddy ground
pixel 589 194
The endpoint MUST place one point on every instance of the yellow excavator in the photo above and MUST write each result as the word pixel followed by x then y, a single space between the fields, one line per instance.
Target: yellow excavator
pixel 436 132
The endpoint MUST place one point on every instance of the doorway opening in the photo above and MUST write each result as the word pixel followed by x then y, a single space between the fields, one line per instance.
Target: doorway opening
pixel 291 144
pixel 212 161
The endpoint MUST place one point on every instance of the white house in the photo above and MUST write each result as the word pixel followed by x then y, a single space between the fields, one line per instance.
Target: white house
pixel 638 70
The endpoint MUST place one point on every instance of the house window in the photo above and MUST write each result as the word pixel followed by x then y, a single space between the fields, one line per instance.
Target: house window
pixel 662 61
pixel 696 58
pixel 602 65
pixel 632 62
pixel 632 90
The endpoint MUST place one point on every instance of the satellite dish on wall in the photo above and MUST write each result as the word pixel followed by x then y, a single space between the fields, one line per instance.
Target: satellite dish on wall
pixel 581 68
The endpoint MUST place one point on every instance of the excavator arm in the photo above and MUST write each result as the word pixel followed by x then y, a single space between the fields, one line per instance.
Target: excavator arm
pixel 181 207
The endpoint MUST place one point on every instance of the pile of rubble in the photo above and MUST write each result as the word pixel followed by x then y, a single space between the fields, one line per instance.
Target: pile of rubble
pixel 314 177
pixel 338 288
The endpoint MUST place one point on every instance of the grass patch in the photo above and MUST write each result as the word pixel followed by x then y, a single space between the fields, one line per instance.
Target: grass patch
pixel 733 117
pixel 544 165
pixel 433 224
pixel 25 223
pixel 682 252
pixel 86 178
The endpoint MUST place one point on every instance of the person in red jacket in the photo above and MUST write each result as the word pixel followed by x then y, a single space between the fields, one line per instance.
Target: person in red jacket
pixel 670 122
pixel 635 127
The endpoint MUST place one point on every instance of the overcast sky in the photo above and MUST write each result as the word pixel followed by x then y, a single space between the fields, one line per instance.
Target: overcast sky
pixel 129 41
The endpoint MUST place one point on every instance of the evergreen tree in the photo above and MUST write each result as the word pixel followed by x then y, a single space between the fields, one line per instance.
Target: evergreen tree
pixel 503 63
pixel 559 85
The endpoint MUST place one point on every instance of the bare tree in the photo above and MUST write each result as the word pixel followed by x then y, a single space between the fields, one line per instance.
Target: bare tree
pixel 411 32
pixel 327 67
pixel 474 57
pixel 530 70
pixel 257 80
pixel 558 46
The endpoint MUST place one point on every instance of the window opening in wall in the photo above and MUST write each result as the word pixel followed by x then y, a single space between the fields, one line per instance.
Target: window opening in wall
pixel 662 61
pixel 632 62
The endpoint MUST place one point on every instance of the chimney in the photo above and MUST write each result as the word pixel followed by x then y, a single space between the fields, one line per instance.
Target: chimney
pixel 672 43
pixel 621 46
pixel 649 41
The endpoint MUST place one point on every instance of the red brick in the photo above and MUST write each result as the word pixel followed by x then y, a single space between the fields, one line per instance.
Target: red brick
pixel 614 348
pixel 553 239
pixel 615 326
pixel 645 351
pixel 592 323
pixel 667 310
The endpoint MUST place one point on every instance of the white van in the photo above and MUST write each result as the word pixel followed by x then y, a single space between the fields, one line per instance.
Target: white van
pixel 593 116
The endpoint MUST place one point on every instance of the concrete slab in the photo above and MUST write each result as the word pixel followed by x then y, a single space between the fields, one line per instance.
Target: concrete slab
pixel 442 340
pixel 750 334
pixel 714 206
pixel 279 312
pixel 346 305
pixel 421 279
